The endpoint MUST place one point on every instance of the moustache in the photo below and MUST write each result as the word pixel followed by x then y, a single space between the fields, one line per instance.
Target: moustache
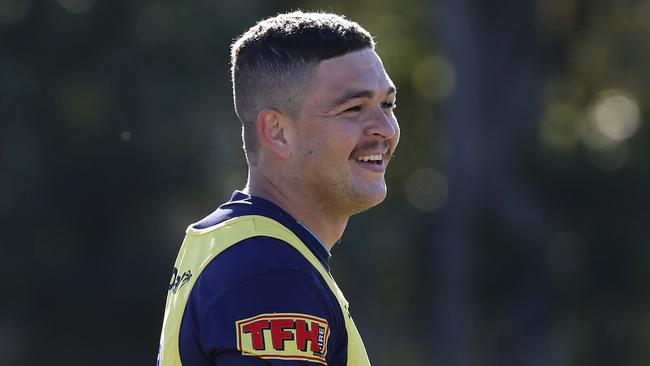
pixel 372 145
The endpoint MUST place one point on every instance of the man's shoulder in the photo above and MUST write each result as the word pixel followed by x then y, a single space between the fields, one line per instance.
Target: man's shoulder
pixel 255 256
pixel 258 259
pixel 252 256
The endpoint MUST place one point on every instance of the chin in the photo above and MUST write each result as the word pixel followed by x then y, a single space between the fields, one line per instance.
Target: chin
pixel 367 200
pixel 379 199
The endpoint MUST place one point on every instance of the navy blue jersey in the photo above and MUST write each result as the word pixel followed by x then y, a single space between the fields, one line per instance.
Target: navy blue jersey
pixel 266 291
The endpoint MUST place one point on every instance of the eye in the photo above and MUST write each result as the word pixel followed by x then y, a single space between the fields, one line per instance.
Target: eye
pixel 388 105
pixel 356 108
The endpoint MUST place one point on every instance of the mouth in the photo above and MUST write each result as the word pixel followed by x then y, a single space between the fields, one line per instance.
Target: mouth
pixel 376 159
pixel 373 162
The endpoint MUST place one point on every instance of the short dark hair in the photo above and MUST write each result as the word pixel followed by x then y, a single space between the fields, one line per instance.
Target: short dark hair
pixel 273 60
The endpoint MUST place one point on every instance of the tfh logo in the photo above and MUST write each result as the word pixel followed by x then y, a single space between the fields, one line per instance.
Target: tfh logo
pixel 286 336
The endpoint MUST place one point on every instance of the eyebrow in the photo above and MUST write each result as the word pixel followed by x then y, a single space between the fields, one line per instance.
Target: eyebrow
pixel 354 94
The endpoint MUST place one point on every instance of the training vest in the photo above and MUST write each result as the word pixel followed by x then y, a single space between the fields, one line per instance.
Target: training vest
pixel 202 245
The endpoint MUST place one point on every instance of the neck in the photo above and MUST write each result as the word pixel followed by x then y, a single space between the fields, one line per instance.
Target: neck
pixel 307 210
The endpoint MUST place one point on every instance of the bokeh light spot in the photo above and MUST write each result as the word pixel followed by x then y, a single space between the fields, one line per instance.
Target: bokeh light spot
pixel 615 115
pixel 426 189
pixel 125 136
pixel 434 78
pixel 612 119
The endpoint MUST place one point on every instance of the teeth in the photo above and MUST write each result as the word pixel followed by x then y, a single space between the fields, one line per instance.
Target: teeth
pixel 377 157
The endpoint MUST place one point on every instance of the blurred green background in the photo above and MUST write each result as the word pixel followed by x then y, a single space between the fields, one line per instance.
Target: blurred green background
pixel 517 227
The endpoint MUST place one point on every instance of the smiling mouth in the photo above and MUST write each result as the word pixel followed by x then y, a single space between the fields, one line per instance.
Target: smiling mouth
pixel 376 159
pixel 372 162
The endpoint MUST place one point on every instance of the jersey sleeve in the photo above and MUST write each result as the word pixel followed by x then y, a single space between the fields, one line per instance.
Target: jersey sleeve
pixel 276 317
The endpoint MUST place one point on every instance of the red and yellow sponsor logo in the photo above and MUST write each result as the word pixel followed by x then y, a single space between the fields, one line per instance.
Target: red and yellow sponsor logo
pixel 286 336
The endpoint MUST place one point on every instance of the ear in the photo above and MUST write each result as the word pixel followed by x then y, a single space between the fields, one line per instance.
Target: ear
pixel 272 129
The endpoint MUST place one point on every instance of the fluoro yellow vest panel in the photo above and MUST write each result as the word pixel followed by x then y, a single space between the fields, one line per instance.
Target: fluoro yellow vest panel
pixel 202 245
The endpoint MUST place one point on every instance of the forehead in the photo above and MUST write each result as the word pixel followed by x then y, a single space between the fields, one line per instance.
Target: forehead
pixel 360 70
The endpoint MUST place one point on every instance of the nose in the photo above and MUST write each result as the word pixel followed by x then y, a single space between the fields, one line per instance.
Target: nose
pixel 382 124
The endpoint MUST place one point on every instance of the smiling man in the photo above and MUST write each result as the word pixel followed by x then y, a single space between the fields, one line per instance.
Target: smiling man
pixel 252 283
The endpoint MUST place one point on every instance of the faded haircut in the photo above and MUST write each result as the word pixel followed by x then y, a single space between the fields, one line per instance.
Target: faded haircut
pixel 272 63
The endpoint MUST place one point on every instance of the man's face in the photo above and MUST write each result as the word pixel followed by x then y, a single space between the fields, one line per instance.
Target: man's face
pixel 346 133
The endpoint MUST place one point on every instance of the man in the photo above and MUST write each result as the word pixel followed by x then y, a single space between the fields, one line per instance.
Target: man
pixel 252 284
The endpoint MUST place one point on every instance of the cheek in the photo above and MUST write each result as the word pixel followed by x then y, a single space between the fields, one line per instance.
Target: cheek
pixel 340 147
pixel 333 144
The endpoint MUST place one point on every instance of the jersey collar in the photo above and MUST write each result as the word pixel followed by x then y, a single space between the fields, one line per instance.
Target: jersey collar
pixel 269 209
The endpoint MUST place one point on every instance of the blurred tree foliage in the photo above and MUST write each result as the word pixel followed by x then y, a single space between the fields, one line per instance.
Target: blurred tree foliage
pixel 516 226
